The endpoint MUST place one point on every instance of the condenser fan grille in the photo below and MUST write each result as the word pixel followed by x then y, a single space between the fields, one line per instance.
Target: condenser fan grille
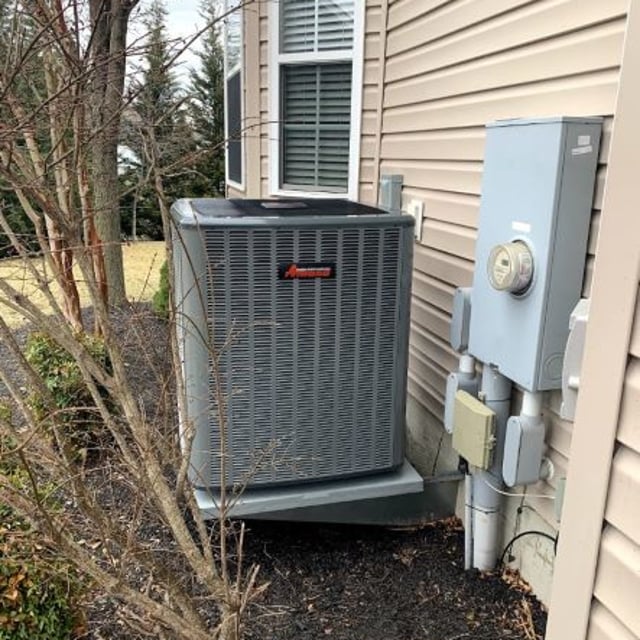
pixel 308 366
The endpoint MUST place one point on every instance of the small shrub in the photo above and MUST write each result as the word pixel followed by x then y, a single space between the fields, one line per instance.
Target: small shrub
pixel 160 302
pixel 35 593
pixel 38 591
pixel 63 378
pixel 8 461
pixel 8 467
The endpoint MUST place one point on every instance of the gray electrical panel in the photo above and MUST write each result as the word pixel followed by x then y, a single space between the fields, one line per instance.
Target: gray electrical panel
pixel 535 211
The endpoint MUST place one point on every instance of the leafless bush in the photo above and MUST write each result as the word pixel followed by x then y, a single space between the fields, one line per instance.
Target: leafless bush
pixel 125 516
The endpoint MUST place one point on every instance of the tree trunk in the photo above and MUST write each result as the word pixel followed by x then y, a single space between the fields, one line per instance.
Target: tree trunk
pixel 109 20
pixel 107 217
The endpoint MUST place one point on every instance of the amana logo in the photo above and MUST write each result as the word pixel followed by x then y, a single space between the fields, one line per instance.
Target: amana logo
pixel 306 270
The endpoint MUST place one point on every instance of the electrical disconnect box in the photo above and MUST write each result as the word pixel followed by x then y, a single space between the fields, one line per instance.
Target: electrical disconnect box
pixel 535 210
pixel 474 430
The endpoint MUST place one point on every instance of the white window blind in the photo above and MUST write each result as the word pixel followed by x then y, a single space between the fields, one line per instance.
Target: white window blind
pixel 315 67
pixel 316 113
pixel 316 25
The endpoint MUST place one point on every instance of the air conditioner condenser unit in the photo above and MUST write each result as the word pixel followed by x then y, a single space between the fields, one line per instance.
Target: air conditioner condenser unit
pixel 293 324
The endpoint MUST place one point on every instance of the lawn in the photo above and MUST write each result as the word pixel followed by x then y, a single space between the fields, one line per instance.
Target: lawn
pixel 142 262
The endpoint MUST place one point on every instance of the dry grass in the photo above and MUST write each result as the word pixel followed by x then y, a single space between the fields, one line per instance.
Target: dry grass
pixel 142 262
pixel 524 621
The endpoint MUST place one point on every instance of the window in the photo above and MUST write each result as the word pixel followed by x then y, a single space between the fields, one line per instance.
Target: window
pixel 233 95
pixel 315 84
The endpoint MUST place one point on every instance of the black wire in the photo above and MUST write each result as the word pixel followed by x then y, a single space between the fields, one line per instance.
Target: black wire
pixel 542 534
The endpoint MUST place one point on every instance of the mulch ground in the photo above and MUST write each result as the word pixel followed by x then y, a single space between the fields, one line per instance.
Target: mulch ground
pixel 347 582
pixel 356 583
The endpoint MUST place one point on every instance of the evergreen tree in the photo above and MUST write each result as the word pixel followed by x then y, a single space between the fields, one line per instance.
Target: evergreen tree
pixel 158 95
pixel 28 87
pixel 207 106
pixel 158 109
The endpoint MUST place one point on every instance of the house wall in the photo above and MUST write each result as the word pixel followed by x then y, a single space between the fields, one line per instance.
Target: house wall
pixel 435 73
pixel 596 585
pixel 615 614
pixel 255 102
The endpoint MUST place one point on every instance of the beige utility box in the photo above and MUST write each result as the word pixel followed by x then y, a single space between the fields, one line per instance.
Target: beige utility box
pixel 473 430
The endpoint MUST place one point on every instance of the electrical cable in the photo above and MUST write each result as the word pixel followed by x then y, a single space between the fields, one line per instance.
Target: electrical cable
pixel 518 495
pixel 542 534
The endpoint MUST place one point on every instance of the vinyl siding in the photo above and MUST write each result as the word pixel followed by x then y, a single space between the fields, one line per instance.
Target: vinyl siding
pixel 374 41
pixel 597 571
pixel 449 68
pixel 435 72
pixel 615 613
pixel 604 626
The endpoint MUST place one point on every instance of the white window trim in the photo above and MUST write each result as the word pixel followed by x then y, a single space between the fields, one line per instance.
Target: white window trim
pixel 275 60
pixel 238 186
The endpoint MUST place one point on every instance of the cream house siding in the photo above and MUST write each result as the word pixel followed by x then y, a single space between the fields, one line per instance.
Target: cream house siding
pixel 597 575
pixel 256 101
pixel 449 68
pixel 255 88
pixel 617 580
pixel 374 43
pixel 604 626
pixel 435 72
pixel 251 103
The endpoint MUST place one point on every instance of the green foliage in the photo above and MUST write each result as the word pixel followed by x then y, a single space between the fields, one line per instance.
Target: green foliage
pixel 207 107
pixel 28 86
pixel 187 124
pixel 159 110
pixel 38 591
pixel 61 375
pixel 20 224
pixel 8 460
pixel 160 302
pixel 34 600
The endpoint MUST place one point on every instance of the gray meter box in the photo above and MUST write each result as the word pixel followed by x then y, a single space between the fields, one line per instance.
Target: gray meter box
pixel 537 188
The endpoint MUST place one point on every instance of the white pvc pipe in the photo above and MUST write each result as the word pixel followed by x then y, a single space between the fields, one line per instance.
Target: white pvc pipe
pixel 485 537
pixel 467 364
pixel 531 404
pixel 468 522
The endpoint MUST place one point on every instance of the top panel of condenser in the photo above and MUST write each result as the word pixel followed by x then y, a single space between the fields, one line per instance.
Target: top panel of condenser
pixel 537 188
pixel 210 211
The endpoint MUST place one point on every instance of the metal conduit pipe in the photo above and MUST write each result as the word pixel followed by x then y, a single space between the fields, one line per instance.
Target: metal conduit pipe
pixel 495 392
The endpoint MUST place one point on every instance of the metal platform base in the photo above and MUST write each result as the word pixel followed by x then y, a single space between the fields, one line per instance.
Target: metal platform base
pixel 395 498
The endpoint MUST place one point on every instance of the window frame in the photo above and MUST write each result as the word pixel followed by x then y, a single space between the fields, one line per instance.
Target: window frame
pixel 276 61
pixel 236 6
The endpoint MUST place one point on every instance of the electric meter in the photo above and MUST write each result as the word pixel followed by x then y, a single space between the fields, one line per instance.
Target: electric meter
pixel 510 267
